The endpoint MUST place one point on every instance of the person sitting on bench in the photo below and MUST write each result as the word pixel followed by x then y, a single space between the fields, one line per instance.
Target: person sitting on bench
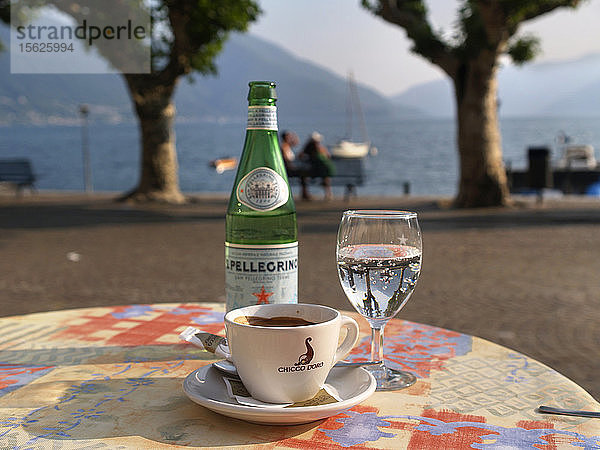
pixel 316 155
pixel 289 140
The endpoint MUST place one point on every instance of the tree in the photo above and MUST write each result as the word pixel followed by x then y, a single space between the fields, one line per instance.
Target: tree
pixel 486 29
pixel 187 36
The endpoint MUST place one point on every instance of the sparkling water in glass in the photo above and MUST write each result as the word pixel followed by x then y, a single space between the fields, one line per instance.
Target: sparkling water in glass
pixel 379 262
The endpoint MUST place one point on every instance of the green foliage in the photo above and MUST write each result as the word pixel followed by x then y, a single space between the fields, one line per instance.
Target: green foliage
pixel 524 49
pixel 518 11
pixel 5 11
pixel 471 34
pixel 188 34
pixel 210 24
pixel 195 31
pixel 412 16
pixel 4 16
pixel 481 25
pixel 416 7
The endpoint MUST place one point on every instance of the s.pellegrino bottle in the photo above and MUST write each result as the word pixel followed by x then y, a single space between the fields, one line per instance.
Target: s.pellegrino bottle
pixel 261 244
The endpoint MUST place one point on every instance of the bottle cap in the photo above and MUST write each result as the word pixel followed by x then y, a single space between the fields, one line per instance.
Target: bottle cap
pixel 262 90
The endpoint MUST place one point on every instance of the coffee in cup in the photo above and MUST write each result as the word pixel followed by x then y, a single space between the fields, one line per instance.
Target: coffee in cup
pixel 284 352
pixel 279 321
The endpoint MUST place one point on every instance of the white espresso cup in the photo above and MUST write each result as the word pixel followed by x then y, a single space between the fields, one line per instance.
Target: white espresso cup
pixel 287 364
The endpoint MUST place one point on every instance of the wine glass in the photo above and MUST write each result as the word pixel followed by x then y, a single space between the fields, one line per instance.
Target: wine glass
pixel 379 260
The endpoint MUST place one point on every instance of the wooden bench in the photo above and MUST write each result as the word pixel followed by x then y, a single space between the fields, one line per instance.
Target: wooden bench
pixel 349 172
pixel 17 173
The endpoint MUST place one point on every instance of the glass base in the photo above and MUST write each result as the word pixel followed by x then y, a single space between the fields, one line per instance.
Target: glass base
pixel 391 379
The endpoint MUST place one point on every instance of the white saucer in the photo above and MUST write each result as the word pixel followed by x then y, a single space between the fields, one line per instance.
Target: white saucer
pixel 205 386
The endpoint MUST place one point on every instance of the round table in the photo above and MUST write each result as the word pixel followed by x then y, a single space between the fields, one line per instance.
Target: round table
pixel 112 376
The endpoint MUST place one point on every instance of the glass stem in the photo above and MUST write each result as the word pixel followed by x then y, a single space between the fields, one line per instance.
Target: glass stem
pixel 377 343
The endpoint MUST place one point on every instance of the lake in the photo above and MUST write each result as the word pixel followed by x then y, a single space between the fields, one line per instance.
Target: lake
pixel 421 152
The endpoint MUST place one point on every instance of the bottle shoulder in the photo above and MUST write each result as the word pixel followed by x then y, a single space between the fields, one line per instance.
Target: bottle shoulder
pixel 261 184
pixel 249 227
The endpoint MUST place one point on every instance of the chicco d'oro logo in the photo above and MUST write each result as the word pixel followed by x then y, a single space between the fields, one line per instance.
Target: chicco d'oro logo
pixel 263 189
pixel 304 360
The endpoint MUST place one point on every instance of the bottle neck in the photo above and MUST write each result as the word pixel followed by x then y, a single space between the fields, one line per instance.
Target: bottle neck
pixel 262 115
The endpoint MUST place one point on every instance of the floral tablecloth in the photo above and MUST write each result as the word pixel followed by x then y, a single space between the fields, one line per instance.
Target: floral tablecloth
pixel 111 377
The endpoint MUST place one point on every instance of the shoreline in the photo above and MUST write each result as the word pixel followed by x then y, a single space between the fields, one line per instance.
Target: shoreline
pixel 521 203
pixel 8 191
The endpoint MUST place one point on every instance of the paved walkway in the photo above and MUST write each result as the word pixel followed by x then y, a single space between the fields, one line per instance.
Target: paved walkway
pixel 525 277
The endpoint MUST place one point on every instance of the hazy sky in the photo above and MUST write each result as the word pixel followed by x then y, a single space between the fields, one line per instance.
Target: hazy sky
pixel 341 36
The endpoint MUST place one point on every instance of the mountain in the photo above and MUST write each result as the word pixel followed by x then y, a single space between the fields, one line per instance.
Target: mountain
pixel 434 98
pixel 55 99
pixel 560 88
pixel 304 89
pixel 580 102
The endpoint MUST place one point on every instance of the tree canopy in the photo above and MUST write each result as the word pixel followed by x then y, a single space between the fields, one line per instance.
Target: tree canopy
pixel 185 37
pixel 480 25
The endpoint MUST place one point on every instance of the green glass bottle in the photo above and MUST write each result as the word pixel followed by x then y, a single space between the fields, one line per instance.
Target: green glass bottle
pixel 261 248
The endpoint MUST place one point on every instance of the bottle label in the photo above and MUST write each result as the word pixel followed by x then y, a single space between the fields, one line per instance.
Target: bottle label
pixel 262 118
pixel 263 189
pixel 257 274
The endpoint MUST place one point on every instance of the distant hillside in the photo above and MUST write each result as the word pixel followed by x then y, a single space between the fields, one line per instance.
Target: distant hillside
pixel 435 98
pixel 304 89
pixel 580 102
pixel 55 99
pixel 539 89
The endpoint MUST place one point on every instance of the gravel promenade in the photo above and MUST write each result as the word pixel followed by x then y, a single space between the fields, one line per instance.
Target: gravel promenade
pixel 526 277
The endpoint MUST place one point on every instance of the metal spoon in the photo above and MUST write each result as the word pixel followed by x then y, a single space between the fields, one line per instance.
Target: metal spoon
pixel 568 412
pixel 357 363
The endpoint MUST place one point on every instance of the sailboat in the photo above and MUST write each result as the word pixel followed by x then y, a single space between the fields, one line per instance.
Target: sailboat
pixel 348 148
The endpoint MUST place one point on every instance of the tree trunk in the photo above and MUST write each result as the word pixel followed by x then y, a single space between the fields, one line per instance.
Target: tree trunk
pixel 483 179
pixel 159 180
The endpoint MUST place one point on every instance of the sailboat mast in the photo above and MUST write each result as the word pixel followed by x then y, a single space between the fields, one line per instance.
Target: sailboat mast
pixel 356 101
pixel 349 100
pixel 348 147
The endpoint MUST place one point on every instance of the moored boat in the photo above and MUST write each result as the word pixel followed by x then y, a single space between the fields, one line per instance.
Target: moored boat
pixel 223 164
pixel 578 157
pixel 347 147
pixel 576 171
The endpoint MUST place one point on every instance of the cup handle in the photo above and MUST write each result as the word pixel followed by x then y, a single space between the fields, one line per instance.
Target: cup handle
pixel 350 340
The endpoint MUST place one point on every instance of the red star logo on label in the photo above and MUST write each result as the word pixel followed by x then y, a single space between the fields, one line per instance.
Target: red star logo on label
pixel 262 296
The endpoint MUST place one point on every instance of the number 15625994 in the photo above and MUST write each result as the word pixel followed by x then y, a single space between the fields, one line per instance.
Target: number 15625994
pixel 45 47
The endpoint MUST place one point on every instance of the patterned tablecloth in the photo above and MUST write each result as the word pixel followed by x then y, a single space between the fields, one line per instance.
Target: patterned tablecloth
pixel 111 377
